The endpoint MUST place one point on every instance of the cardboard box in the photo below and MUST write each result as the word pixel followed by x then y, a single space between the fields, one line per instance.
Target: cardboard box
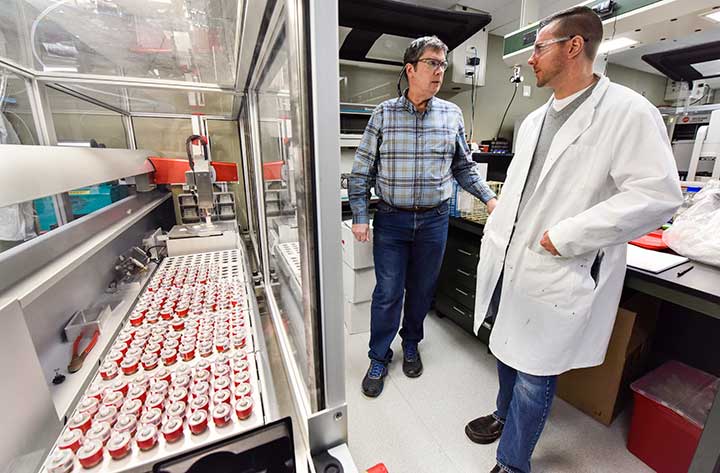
pixel 358 255
pixel 358 284
pixel 357 317
pixel 602 391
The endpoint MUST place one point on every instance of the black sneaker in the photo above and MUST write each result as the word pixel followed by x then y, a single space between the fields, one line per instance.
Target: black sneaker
pixel 373 382
pixel 412 364
pixel 484 430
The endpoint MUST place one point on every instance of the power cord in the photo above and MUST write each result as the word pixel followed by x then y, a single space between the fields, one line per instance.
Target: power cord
pixel 516 79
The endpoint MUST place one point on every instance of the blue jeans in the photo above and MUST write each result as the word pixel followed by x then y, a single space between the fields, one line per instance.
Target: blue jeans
pixel 408 248
pixel 523 404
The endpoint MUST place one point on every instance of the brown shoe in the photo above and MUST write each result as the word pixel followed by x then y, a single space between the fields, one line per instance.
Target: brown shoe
pixel 497 469
pixel 484 430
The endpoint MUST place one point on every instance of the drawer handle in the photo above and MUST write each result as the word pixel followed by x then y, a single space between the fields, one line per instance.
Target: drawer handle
pixel 487 325
pixel 466 253
pixel 462 292
pixel 463 272
pixel 458 310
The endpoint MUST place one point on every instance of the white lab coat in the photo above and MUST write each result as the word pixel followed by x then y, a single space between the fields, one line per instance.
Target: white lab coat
pixel 609 177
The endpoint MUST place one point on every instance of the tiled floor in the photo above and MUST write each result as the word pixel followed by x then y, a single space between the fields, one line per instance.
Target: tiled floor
pixel 416 425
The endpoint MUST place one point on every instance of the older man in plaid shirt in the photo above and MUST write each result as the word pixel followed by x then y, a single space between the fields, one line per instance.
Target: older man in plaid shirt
pixel 412 149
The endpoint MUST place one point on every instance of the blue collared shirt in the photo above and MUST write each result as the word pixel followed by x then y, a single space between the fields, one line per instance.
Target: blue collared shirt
pixel 411 157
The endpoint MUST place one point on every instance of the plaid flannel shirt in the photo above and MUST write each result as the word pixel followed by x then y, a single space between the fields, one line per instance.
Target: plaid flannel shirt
pixel 411 158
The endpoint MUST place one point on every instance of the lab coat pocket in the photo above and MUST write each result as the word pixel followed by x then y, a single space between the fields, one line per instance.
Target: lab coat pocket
pixel 558 284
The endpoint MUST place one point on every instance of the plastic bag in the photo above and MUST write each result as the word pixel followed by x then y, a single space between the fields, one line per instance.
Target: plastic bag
pixel 696 232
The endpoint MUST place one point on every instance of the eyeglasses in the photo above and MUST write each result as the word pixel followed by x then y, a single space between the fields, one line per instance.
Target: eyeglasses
pixel 542 46
pixel 434 63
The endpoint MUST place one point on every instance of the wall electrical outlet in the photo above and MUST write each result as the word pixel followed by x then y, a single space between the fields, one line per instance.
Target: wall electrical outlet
pixel 527 91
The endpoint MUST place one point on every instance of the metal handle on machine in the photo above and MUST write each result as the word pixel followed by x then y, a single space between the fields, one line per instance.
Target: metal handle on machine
pixel 466 253
pixel 463 272
pixel 458 310
pixel 462 292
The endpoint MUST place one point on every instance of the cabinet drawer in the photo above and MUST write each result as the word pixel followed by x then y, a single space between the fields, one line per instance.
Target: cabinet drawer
pixel 457 293
pixel 452 309
pixel 458 276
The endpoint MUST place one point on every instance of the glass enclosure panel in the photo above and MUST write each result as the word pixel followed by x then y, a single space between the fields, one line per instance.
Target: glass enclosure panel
pixel 191 41
pixel 19 222
pixel 225 147
pixel 13 43
pixel 80 123
pixel 153 100
pixel 165 136
pixel 253 217
pixel 287 217
pixel 368 85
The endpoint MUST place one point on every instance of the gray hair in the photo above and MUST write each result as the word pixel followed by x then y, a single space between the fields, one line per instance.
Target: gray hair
pixel 418 47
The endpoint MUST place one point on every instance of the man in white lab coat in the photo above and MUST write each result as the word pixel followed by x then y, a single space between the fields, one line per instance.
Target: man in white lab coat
pixel 593 169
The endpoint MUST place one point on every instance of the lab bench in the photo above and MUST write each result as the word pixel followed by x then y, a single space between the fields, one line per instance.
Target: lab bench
pixel 697 290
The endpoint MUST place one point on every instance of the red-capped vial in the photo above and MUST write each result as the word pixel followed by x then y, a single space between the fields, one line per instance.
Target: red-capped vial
pixel 222 382
pixel 172 342
pixel 243 390
pixel 241 366
pixel 163 375
pixel 134 352
pixel 205 348
pixel 203 365
pixel 222 371
pixel 129 366
pixel 137 392
pixel 181 381
pixel 198 422
pixel 222 396
pixel 142 380
pixel 136 319
pixel 222 414
pixel 114 356
pixel 181 310
pixel 243 407
pixel 106 414
pixel 81 421
pixel 177 409
pixel 126 423
pixel 121 386
pixel 202 376
pixel 152 318
pixel 137 345
pixel 179 394
pixel 99 431
pixel 71 439
pixel 119 445
pixel 161 387
pixel 239 342
pixel 121 347
pixel 166 313
pixel 242 377
pixel 153 348
pixel 172 429
pixel 221 331
pixel 109 370
pixel 147 437
pixel 168 356
pixel 96 391
pixel 155 401
pixel 61 461
pixel 150 361
pixel 187 352
pixel 113 398
pixel 90 454
pixel 177 324
pixel 132 407
pixel 152 416
pixel 89 405
pixel 183 370
pixel 200 403
pixel 200 388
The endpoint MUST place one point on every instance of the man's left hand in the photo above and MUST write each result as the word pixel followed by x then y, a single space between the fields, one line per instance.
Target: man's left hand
pixel 548 245
pixel 491 204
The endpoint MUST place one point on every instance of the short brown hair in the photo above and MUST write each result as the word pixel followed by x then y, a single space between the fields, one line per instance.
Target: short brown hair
pixel 579 21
